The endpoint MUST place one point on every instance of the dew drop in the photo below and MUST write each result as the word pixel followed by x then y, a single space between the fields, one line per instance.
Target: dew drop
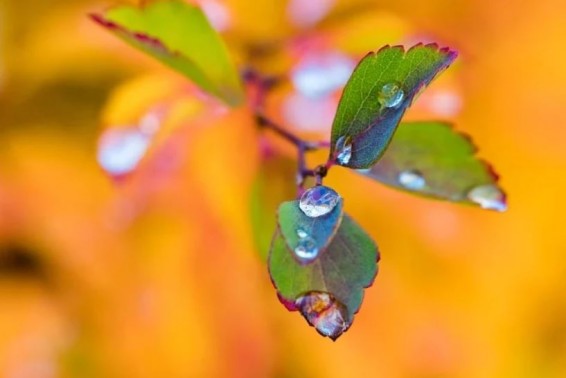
pixel 391 95
pixel 412 179
pixel 302 233
pixel 488 197
pixel 318 201
pixel 343 150
pixel 306 249
pixel 325 313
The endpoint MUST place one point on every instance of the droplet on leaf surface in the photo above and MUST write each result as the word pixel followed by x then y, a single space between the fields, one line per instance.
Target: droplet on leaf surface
pixel 325 313
pixel 412 179
pixel 302 233
pixel 343 150
pixel 488 197
pixel 391 95
pixel 318 201
pixel 306 249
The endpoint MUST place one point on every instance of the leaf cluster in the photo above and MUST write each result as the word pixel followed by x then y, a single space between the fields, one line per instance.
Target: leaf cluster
pixel 320 259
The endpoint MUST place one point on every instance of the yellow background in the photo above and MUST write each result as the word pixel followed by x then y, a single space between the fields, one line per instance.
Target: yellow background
pixel 158 276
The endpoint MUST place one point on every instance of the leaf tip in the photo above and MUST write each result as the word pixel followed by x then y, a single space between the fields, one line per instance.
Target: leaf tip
pixel 327 315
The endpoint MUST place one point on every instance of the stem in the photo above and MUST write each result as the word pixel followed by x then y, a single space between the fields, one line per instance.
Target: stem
pixel 260 86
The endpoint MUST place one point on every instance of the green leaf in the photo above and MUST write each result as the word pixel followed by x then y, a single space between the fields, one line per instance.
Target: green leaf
pixel 348 265
pixel 179 35
pixel 432 159
pixel 296 227
pixel 376 96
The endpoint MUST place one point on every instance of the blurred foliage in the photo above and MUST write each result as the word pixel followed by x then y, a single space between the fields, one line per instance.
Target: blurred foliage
pixel 157 274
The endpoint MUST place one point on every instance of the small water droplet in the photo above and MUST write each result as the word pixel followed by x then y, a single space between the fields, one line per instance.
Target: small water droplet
pixel 489 197
pixel 302 233
pixel 343 150
pixel 391 95
pixel 412 179
pixel 318 201
pixel 306 249
pixel 325 313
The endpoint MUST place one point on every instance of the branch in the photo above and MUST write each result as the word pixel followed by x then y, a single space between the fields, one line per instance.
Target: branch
pixel 260 86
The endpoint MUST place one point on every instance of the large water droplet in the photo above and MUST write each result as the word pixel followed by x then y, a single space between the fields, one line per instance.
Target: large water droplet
pixel 120 150
pixel 325 313
pixel 489 197
pixel 343 150
pixel 306 249
pixel 318 201
pixel 412 179
pixel 391 95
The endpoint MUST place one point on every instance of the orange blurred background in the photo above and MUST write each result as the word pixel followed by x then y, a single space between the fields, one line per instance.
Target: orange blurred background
pixel 159 274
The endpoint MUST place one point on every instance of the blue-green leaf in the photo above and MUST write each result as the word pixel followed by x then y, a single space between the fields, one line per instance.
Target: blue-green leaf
pixel 305 235
pixel 375 98
pixel 329 291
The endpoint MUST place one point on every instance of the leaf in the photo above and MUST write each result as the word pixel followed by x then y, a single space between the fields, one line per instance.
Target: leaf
pixel 179 35
pixel 320 231
pixel 432 159
pixel 333 283
pixel 381 88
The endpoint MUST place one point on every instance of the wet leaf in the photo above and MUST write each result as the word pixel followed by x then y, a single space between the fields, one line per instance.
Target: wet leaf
pixel 379 91
pixel 179 35
pixel 301 231
pixel 432 159
pixel 348 265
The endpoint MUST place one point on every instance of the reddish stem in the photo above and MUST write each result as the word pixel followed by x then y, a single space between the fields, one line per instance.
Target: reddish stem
pixel 260 86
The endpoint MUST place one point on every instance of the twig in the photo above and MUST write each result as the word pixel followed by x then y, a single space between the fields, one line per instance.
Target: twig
pixel 260 86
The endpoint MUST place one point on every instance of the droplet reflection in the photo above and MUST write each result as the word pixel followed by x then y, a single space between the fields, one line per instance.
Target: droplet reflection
pixel 302 233
pixel 489 197
pixel 318 201
pixel 325 313
pixel 412 180
pixel 306 249
pixel 343 150
pixel 391 95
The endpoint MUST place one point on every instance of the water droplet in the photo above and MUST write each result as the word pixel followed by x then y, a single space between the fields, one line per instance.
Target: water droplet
pixel 318 201
pixel 306 249
pixel 325 313
pixel 412 179
pixel 489 197
pixel 343 150
pixel 120 150
pixel 391 95
pixel 302 233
